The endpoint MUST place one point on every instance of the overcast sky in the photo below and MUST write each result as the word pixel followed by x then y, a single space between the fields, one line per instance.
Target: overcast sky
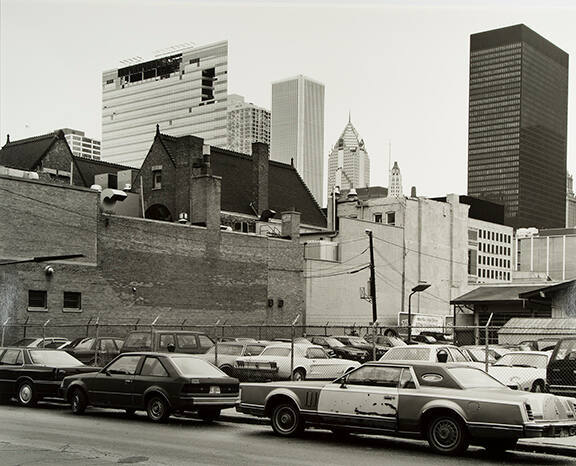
pixel 400 67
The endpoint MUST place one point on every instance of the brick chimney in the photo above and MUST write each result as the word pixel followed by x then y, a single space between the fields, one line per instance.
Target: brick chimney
pixel 260 163
pixel 205 200
pixel 291 225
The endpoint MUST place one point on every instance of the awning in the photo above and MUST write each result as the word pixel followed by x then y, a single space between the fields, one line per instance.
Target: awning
pixel 496 294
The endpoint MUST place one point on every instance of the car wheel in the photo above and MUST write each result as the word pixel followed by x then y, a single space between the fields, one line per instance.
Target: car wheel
pixel 286 420
pixel 299 374
pixel 208 414
pixel 78 401
pixel 538 387
pixel 157 409
pixel 498 446
pixel 27 394
pixel 447 434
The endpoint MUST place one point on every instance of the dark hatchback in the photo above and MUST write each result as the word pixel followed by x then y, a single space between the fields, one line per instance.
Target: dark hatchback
pixel 90 351
pixel 159 383
pixel 30 374
pixel 561 370
pixel 339 349
pixel 361 343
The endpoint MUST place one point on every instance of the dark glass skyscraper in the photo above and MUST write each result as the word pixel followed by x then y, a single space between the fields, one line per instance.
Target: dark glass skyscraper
pixel 517 122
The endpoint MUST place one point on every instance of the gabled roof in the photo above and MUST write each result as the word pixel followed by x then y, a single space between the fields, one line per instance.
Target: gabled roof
pixel 26 154
pixel 87 169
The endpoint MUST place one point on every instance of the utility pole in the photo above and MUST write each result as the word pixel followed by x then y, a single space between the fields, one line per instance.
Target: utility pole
pixel 372 278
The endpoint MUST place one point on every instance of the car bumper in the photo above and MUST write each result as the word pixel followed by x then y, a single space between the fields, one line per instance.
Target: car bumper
pixel 254 410
pixel 192 403
pixel 550 429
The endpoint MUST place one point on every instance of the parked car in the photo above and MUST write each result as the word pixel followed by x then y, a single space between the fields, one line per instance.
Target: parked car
pixel 339 349
pixel 84 349
pixel 310 362
pixel 47 342
pixel 178 341
pixel 228 352
pixel 542 344
pixel 522 370
pixel 430 353
pixel 477 353
pixel 30 374
pixel 451 405
pixel 361 343
pixel 238 339
pixel 561 371
pixel 159 383
pixel 386 340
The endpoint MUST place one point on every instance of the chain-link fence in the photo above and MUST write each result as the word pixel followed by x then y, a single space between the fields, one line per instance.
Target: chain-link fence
pixel 521 358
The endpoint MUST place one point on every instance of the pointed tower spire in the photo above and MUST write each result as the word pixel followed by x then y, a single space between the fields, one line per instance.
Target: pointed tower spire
pixel 395 183
pixel 349 116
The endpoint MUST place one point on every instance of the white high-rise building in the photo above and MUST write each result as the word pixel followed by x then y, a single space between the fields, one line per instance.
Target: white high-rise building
pixel 298 129
pixel 348 162
pixel 80 145
pixel 395 183
pixel 247 123
pixel 184 91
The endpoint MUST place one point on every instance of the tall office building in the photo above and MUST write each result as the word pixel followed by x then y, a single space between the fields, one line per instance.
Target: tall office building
pixel 184 91
pixel 80 145
pixel 348 162
pixel 247 123
pixel 517 125
pixel 395 183
pixel 298 129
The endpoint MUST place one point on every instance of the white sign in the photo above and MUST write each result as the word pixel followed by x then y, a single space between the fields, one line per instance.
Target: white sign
pixel 422 322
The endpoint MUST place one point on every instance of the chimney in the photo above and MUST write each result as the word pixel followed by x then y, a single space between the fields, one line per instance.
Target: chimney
pixel 205 198
pixel 291 225
pixel 413 191
pixel 260 164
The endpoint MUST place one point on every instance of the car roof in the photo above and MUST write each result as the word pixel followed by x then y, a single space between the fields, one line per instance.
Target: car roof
pixel 529 353
pixel 425 346
pixel 420 364
pixel 29 348
pixel 160 354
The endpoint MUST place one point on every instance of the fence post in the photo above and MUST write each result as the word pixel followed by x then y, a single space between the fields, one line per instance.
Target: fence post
pixel 44 333
pixel 97 333
pixel 326 329
pixel 152 348
pixel 374 340
pixel 26 326
pixel 292 347
pixel 216 345
pixel 88 326
pixel 486 341
pixel 3 329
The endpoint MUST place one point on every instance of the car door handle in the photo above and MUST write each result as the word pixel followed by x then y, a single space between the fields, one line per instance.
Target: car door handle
pixel 555 370
pixel 388 397
pixel 128 381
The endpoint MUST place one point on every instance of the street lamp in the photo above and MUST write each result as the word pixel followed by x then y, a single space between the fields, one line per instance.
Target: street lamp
pixel 417 289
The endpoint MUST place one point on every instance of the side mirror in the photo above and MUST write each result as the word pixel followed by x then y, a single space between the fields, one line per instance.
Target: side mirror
pixel 442 356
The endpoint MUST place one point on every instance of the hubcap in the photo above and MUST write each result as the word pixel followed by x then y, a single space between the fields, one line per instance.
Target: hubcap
pixel 157 409
pixel 285 419
pixel 446 433
pixel 25 393
pixel 75 401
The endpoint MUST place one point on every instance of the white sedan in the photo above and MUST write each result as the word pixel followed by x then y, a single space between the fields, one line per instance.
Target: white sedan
pixel 522 370
pixel 275 362
pixel 430 353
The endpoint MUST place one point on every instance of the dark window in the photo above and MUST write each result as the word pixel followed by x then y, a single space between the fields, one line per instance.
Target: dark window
pixel 186 341
pixel 72 300
pixel 391 218
pixel 11 358
pixel 157 179
pixel 374 375
pixel 37 299
pixel 153 367
pixel 378 218
pixel 165 340
pixel 205 342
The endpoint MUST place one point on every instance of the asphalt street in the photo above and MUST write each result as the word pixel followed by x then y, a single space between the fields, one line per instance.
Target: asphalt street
pixel 50 434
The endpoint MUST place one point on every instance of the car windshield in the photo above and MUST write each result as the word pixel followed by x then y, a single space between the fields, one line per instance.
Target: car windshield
pixel 407 353
pixel 194 367
pixel 470 377
pixel 334 342
pixel 538 361
pixel 54 359
pixel 357 341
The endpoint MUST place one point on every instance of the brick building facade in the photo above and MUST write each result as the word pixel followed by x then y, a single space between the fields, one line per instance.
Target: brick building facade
pixel 135 268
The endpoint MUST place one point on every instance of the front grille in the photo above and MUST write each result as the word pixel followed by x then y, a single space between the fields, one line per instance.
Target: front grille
pixel 529 412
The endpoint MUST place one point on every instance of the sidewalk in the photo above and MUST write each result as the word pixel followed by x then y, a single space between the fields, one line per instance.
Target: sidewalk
pixel 564 446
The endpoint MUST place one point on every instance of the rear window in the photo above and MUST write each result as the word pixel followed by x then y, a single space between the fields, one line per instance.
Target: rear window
pixel 186 341
pixel 138 340
pixel 565 350
pixel 54 359
pixel 194 367
pixel 406 353
pixel 276 352
pixel 470 377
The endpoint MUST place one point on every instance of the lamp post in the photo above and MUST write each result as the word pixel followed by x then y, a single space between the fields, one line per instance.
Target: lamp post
pixel 417 289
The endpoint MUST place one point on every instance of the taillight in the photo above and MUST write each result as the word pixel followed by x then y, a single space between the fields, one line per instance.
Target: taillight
pixel 195 388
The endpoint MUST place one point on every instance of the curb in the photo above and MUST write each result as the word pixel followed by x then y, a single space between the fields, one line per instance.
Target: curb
pixel 545 448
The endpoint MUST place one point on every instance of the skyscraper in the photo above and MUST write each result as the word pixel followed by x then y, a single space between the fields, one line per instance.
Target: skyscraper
pixel 80 145
pixel 184 91
pixel 517 125
pixel 298 129
pixel 247 123
pixel 395 184
pixel 350 159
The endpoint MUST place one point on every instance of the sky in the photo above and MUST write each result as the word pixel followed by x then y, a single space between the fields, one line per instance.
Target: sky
pixel 399 67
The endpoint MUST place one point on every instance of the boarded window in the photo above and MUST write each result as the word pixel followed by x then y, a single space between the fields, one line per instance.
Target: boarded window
pixel 72 300
pixel 37 299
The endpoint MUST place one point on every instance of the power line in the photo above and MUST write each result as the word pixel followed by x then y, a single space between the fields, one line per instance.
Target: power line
pixel 334 274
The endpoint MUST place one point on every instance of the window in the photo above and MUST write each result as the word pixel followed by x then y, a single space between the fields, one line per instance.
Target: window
pixel 375 376
pixel 72 301
pixel 391 218
pixel 205 342
pixel 157 179
pixel 11 358
pixel 406 380
pixel 107 346
pixel 186 341
pixel 316 353
pixel 458 356
pixel 165 340
pixel 37 300
pixel 125 365
pixel 253 350
pixel 276 351
pixel 154 368
pixel 378 218
pixel 85 344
